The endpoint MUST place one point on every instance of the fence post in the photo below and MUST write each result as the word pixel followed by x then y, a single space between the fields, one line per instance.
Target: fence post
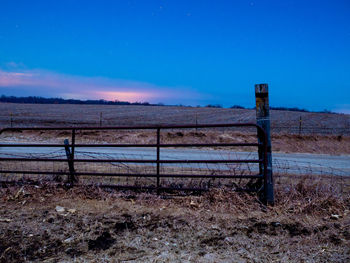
pixel 263 120
pixel 70 162
pixel 11 120
pixel 158 158
pixel 73 143
pixel 300 125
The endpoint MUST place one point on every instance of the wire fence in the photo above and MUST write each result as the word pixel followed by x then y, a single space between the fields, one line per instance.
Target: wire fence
pixel 283 168
pixel 309 130
pixel 167 162
pixel 181 169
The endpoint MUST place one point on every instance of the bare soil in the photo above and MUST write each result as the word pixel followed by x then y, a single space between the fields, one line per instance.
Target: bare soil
pixel 320 133
pixel 49 224
pixel 89 115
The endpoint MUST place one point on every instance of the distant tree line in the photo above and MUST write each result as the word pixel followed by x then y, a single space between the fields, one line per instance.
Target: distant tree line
pixel 300 110
pixel 289 109
pixel 214 106
pixel 41 100
pixel 272 108
pixel 237 107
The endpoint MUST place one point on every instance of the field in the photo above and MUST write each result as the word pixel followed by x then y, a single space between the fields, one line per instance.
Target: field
pixel 90 115
pixel 320 132
pixel 50 223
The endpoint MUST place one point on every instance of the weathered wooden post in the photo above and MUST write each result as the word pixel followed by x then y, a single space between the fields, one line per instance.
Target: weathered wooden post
pixel 263 120
pixel 11 120
pixel 70 163
pixel 158 158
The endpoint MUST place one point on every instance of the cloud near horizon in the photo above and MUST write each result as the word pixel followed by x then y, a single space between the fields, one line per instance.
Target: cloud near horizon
pixel 15 81
pixel 343 108
pixel 51 84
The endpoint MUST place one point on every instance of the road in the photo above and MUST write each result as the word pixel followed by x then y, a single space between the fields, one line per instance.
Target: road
pixel 287 163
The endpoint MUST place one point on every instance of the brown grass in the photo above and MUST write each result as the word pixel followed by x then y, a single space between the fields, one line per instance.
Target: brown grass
pixel 310 222
pixel 67 115
pixel 289 143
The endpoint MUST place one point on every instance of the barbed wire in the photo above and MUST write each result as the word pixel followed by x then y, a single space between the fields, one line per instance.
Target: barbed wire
pixel 281 167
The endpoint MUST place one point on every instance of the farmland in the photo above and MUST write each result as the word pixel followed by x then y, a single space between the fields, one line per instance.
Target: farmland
pixel 89 115
pixel 320 132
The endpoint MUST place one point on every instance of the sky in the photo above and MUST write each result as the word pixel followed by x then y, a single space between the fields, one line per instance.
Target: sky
pixel 178 51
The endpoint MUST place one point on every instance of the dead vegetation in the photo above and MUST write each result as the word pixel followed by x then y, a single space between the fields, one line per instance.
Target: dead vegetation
pixel 310 222
pixel 68 115
pixel 320 133
pixel 287 143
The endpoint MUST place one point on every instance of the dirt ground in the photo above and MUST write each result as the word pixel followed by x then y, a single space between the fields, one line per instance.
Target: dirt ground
pixel 49 224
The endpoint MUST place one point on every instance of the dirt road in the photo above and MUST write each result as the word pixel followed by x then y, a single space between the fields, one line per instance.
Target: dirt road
pixel 290 163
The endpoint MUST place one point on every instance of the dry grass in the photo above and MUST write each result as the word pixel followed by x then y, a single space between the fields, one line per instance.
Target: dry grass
pixel 68 115
pixel 289 143
pixel 313 194
pixel 310 222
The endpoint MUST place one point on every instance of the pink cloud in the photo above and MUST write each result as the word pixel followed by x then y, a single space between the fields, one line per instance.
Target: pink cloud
pixel 69 86
pixel 125 95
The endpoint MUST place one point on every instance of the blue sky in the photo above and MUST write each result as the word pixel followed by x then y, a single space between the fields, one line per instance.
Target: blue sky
pixel 178 52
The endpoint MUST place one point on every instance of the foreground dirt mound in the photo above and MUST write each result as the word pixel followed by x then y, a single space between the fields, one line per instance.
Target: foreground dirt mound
pixel 53 225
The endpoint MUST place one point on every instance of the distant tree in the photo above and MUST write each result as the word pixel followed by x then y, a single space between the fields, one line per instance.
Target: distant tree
pixel 237 107
pixel 327 111
pixel 288 109
pixel 214 106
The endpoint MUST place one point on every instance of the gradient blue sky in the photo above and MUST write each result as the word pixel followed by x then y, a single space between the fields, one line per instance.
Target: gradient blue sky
pixel 178 52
